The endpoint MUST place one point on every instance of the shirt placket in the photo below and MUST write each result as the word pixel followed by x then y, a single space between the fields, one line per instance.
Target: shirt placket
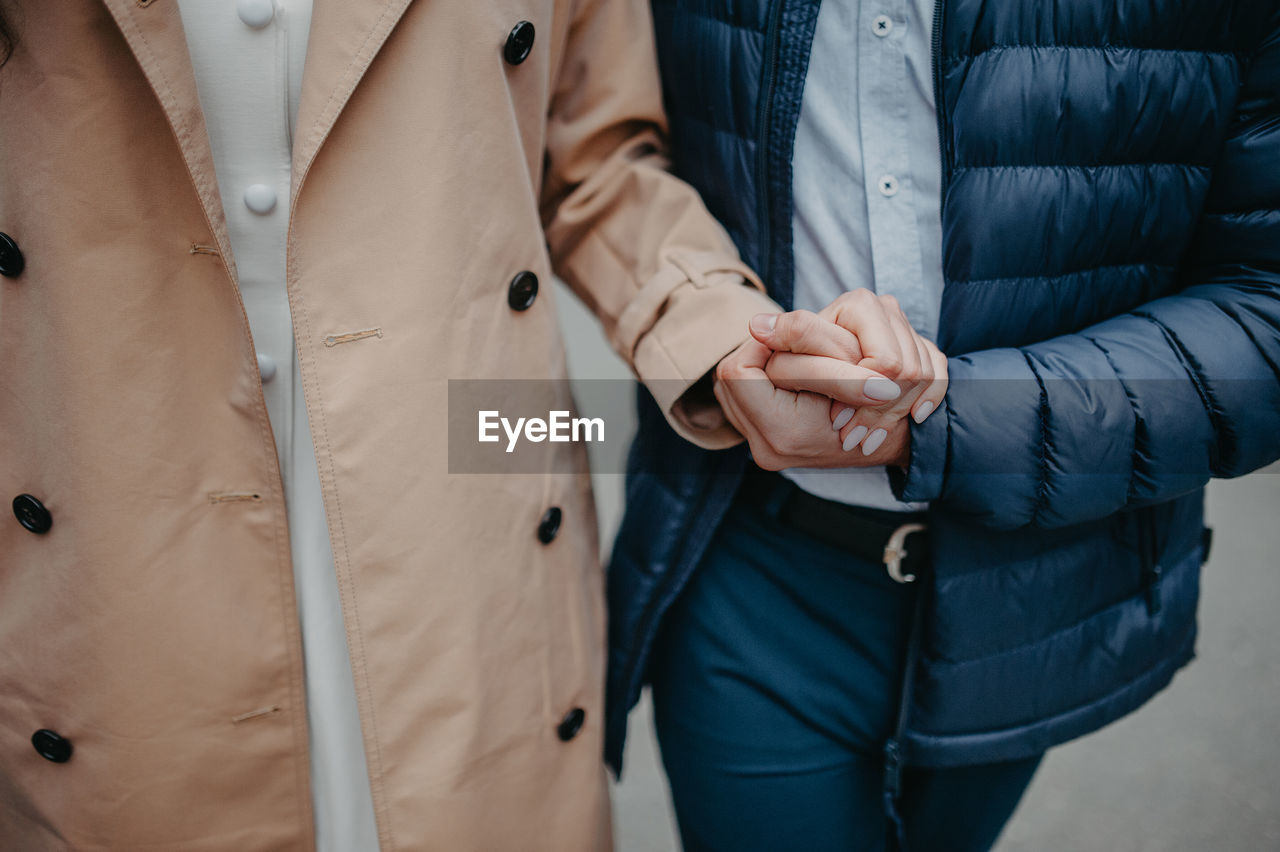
pixel 883 120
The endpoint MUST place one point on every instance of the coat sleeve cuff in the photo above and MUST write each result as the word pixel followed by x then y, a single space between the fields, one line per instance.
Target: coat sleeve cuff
pixel 922 481
pixel 687 318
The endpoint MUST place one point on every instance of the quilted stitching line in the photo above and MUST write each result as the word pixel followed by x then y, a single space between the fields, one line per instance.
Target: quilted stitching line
pixel 953 58
pixel 1061 276
pixel 1042 490
pixel 1082 166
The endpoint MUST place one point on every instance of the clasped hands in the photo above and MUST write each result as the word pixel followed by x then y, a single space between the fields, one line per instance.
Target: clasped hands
pixel 832 389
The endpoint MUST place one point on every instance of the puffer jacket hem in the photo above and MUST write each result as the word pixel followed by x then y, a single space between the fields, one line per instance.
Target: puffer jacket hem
pixel 1016 743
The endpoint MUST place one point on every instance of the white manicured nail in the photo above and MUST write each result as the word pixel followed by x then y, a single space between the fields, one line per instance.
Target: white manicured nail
pixel 874 440
pixel 922 412
pixel 842 418
pixel 878 387
pixel 853 438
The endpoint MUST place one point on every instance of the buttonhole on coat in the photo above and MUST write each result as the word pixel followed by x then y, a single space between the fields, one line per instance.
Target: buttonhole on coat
pixel 351 336
pixel 197 248
pixel 235 497
pixel 255 714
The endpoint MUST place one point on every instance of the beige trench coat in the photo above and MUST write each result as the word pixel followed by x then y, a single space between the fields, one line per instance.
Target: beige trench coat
pixel 154 627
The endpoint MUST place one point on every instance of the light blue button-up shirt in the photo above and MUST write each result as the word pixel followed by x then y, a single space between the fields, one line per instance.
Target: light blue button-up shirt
pixel 867 175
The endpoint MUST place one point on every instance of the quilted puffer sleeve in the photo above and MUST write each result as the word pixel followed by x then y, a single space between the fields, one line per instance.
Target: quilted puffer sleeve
pixel 1145 406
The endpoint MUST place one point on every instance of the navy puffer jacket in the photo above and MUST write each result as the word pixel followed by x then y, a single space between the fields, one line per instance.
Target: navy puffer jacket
pixel 1111 250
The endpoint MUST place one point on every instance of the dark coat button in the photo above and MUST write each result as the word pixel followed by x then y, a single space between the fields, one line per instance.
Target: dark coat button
pixel 519 43
pixel 11 260
pixel 522 291
pixel 52 745
pixel 32 514
pixel 550 525
pixel 571 724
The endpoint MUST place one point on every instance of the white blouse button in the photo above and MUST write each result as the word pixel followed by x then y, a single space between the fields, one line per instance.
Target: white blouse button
pixel 255 13
pixel 882 25
pixel 260 198
pixel 888 185
pixel 267 367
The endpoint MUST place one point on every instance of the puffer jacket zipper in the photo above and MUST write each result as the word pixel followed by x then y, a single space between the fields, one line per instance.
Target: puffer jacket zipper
pixel 773 36
pixel 893 756
pixel 939 112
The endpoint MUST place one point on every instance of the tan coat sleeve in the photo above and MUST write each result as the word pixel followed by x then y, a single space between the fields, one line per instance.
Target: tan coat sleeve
pixel 636 244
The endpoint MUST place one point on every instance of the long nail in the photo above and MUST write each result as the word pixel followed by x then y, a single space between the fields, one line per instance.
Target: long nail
pixel 878 387
pixel 874 440
pixel 853 438
pixel 763 323
pixel 923 412
pixel 842 418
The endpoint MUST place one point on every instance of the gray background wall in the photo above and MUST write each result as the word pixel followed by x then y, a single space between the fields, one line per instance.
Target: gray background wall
pixel 1196 769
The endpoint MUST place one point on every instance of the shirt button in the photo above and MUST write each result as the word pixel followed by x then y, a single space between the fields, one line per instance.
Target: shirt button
pixel 267 367
pixel 888 186
pixel 882 25
pixel 51 745
pixel 260 198
pixel 32 514
pixel 255 13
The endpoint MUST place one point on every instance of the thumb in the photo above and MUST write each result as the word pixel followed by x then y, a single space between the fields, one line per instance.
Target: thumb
pixel 806 333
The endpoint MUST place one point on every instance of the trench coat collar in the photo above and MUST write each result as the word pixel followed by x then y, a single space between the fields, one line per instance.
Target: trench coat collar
pixel 344 38
pixel 153 31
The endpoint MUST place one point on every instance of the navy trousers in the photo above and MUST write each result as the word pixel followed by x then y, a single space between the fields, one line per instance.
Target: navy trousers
pixel 775 685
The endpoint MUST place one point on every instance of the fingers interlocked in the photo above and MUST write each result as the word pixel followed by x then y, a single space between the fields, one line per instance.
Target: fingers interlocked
pixel 862 354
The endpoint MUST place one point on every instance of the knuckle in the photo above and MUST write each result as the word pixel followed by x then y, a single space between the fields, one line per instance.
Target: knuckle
pixel 803 325
pixel 765 458
pixel 890 366
pixel 784 445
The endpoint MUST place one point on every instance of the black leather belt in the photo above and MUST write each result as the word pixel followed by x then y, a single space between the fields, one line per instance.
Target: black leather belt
pixel 899 540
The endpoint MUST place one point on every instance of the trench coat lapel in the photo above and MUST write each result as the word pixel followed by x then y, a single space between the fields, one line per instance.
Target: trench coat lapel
pixel 345 37
pixel 153 30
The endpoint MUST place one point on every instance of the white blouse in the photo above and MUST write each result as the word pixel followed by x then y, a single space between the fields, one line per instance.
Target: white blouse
pixel 248 60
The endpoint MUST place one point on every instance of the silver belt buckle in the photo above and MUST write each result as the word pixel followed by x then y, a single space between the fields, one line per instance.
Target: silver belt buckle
pixel 895 551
